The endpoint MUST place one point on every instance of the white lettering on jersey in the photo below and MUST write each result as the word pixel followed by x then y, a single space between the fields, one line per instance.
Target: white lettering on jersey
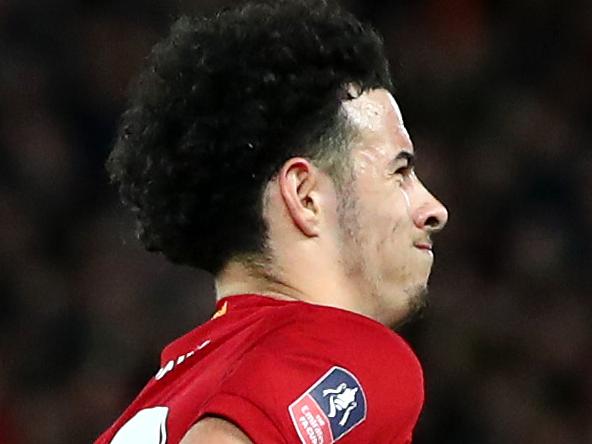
pixel 169 366
pixel 148 426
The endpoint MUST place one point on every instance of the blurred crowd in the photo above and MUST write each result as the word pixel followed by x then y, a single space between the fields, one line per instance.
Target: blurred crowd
pixel 498 99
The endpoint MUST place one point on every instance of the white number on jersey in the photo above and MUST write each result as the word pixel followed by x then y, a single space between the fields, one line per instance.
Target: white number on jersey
pixel 148 426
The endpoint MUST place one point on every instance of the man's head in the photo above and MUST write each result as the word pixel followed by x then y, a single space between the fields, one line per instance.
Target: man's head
pixel 222 103
pixel 267 134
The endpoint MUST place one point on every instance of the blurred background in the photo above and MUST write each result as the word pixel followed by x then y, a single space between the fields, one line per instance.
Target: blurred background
pixel 498 98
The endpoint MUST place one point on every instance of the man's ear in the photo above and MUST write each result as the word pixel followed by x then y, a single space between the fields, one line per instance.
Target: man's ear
pixel 298 184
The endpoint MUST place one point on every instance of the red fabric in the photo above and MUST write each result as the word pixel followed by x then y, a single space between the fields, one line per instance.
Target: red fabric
pixel 264 354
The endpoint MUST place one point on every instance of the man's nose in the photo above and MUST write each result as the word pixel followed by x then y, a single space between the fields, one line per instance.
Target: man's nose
pixel 431 216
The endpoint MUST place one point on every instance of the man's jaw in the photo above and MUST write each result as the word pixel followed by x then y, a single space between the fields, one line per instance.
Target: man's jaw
pixel 417 303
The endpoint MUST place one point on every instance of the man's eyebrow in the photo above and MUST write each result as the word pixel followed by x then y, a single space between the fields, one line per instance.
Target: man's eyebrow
pixel 404 155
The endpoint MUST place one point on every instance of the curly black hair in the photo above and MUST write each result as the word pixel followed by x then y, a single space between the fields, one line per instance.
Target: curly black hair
pixel 223 102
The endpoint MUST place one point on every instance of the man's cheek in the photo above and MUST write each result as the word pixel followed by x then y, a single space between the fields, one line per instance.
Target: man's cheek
pixel 406 200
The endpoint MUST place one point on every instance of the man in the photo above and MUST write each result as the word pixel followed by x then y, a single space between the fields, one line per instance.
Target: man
pixel 264 146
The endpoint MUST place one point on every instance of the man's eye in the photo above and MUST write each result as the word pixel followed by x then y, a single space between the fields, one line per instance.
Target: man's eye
pixel 404 170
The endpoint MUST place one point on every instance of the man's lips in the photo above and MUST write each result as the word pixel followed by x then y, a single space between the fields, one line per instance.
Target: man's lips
pixel 424 246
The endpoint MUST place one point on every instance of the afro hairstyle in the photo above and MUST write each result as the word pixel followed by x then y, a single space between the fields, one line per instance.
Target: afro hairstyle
pixel 221 104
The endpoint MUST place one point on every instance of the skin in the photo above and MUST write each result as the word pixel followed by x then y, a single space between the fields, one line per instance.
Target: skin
pixel 365 248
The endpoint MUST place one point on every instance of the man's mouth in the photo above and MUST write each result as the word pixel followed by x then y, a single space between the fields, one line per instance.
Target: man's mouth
pixel 424 246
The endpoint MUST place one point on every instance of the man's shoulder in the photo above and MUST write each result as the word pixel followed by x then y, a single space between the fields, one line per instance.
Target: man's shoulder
pixel 305 341
pixel 330 331
pixel 268 334
pixel 335 365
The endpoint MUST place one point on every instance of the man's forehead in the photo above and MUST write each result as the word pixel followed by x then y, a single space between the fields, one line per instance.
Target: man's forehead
pixel 378 117
pixel 395 108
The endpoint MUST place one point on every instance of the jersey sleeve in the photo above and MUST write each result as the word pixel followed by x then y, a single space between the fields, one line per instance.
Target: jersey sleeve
pixel 327 382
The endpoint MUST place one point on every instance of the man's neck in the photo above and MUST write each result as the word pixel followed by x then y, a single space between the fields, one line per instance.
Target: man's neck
pixel 315 288
pixel 238 279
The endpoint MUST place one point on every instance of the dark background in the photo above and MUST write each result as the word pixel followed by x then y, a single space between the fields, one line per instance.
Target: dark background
pixel 498 99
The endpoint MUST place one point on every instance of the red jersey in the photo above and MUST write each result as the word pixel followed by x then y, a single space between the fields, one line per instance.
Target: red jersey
pixel 283 372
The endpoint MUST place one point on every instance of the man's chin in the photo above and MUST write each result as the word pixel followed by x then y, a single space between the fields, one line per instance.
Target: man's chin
pixel 417 303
